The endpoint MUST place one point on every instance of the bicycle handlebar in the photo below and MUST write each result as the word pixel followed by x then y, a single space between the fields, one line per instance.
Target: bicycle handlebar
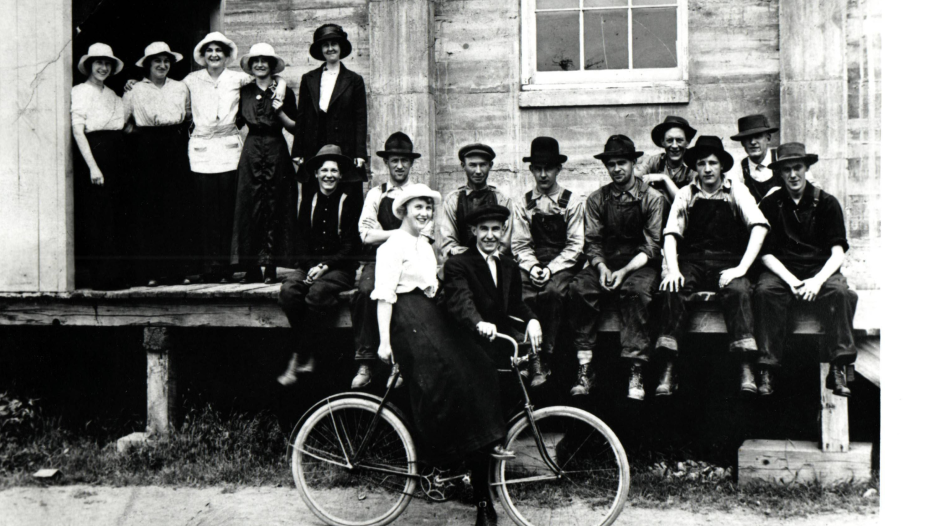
pixel 510 340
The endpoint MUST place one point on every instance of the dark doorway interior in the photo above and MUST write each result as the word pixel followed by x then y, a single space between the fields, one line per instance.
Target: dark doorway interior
pixel 129 26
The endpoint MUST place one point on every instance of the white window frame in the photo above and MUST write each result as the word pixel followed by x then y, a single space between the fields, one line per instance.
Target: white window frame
pixel 602 87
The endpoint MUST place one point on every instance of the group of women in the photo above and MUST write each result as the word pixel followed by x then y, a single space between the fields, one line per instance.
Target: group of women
pixel 168 188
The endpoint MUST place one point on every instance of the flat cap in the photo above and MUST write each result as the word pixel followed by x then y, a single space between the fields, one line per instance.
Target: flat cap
pixel 487 212
pixel 476 149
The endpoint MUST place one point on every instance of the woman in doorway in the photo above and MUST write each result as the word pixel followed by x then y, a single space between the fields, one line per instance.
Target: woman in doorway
pixel 452 382
pixel 267 198
pixel 157 112
pixel 99 204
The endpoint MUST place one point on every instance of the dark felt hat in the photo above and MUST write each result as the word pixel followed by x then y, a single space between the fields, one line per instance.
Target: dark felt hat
pixel 752 125
pixel 672 121
pixel 330 32
pixel 479 215
pixel 545 150
pixel 792 151
pixel 476 149
pixel 705 145
pixel 398 144
pixel 331 152
pixel 619 146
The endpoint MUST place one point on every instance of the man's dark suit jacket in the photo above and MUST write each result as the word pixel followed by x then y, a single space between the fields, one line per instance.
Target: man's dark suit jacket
pixel 470 295
pixel 346 113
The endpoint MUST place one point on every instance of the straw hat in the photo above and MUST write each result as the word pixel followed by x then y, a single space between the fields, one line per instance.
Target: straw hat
pixel 157 48
pixel 414 191
pixel 99 50
pixel 216 36
pixel 262 50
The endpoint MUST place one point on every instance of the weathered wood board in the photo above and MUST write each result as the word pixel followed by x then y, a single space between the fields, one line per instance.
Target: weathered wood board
pixel 787 461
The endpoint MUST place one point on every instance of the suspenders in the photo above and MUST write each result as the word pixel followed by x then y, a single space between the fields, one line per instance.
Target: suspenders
pixel 339 211
pixel 562 202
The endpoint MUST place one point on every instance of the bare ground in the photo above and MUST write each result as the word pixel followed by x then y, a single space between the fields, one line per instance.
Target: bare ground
pixel 105 506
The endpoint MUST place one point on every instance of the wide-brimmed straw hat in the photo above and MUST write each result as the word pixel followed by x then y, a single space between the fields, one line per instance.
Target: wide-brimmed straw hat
pixel 216 36
pixel 262 50
pixel 331 152
pixel 398 144
pixel 705 145
pixel 672 121
pixel 330 32
pixel 157 48
pixel 619 146
pixel 497 212
pixel 545 150
pixel 752 125
pixel 100 50
pixel 414 191
pixel 793 151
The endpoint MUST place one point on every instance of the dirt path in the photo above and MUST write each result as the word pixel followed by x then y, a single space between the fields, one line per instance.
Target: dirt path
pixel 85 505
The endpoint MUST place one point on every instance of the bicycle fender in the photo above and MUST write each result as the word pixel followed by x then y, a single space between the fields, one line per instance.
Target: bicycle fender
pixel 349 394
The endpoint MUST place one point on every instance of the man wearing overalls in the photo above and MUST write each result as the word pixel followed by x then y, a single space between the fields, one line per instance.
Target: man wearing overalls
pixel 712 238
pixel 803 254
pixel 623 223
pixel 376 224
pixel 547 242
pixel 455 235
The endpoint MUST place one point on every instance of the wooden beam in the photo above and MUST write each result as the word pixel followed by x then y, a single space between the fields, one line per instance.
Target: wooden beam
pixel 160 394
pixel 788 461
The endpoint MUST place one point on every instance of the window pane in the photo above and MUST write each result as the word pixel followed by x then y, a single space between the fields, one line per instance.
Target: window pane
pixel 556 4
pixel 606 39
pixel 652 2
pixel 605 3
pixel 654 32
pixel 558 41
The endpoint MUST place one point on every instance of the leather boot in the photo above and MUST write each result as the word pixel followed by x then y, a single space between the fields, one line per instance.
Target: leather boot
pixel 362 378
pixel 537 373
pixel 270 274
pixel 485 514
pixel 666 386
pixel 765 387
pixel 635 383
pixel 583 381
pixel 840 380
pixel 748 384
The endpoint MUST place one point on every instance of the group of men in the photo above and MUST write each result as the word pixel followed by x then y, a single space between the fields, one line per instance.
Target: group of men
pixel 666 226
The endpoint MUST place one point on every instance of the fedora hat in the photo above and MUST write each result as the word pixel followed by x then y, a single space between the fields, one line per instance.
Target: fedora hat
pixel 414 191
pixel 672 121
pixel 330 32
pixel 99 50
pixel 476 149
pixel 331 152
pixel 619 146
pixel 545 150
pixel 752 125
pixel 481 214
pixel 157 48
pixel 262 50
pixel 216 36
pixel 705 145
pixel 399 144
pixel 793 151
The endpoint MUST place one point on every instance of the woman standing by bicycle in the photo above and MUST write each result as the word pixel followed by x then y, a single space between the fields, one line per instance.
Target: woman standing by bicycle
pixel 453 383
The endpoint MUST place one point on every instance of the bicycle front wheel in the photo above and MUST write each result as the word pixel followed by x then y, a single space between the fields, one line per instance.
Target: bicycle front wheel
pixel 375 490
pixel 588 488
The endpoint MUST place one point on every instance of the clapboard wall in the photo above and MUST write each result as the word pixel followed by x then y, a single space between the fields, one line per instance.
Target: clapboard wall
pixel 35 134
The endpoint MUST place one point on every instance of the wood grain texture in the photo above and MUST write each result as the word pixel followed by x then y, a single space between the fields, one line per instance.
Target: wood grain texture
pixel 834 417
pixel 788 461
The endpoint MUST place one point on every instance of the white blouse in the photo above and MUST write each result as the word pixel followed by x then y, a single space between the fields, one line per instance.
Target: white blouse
pixel 97 109
pixel 216 144
pixel 151 105
pixel 404 263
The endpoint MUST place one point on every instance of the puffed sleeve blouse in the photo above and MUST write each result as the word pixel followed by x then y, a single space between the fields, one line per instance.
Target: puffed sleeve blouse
pixel 98 109
pixel 404 263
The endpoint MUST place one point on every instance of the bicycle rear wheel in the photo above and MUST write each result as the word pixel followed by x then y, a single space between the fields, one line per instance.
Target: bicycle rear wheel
pixel 376 490
pixel 593 486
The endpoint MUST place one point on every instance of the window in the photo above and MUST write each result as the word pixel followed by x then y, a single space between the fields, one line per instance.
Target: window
pixel 583 52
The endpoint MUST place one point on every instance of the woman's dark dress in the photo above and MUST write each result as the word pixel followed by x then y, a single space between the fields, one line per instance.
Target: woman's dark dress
pixel 267 196
pixel 452 382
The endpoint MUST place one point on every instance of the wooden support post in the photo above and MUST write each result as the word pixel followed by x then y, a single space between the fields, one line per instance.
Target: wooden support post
pixel 160 399
pixel 834 417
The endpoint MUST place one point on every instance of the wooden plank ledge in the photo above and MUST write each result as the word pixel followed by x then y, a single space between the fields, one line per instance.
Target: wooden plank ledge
pixel 788 461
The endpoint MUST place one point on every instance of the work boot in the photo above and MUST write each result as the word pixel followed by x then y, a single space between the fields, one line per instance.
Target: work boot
pixel 583 382
pixel 289 377
pixel 748 384
pixel 362 378
pixel 839 381
pixel 765 387
pixel 666 385
pixel 485 514
pixel 537 373
pixel 635 383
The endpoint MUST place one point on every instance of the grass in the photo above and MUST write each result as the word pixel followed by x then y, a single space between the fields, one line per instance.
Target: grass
pixel 215 449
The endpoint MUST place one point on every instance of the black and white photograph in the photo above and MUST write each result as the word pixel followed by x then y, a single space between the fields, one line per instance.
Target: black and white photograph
pixel 455 262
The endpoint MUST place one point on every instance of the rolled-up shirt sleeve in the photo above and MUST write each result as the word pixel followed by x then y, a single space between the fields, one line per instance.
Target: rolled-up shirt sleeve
pixel 653 204
pixel 747 208
pixel 676 223
pixel 79 107
pixel 370 210
pixel 450 243
pixel 521 241
pixel 575 238
pixel 389 262
pixel 593 229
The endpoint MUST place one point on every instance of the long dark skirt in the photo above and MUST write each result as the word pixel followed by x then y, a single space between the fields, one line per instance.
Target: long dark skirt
pixel 161 192
pixel 453 384
pixel 266 202
pixel 100 237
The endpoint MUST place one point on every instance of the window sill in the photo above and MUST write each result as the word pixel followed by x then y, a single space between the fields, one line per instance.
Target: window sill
pixel 544 96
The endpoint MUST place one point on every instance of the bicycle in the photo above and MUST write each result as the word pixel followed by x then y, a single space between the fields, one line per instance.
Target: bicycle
pixel 355 462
